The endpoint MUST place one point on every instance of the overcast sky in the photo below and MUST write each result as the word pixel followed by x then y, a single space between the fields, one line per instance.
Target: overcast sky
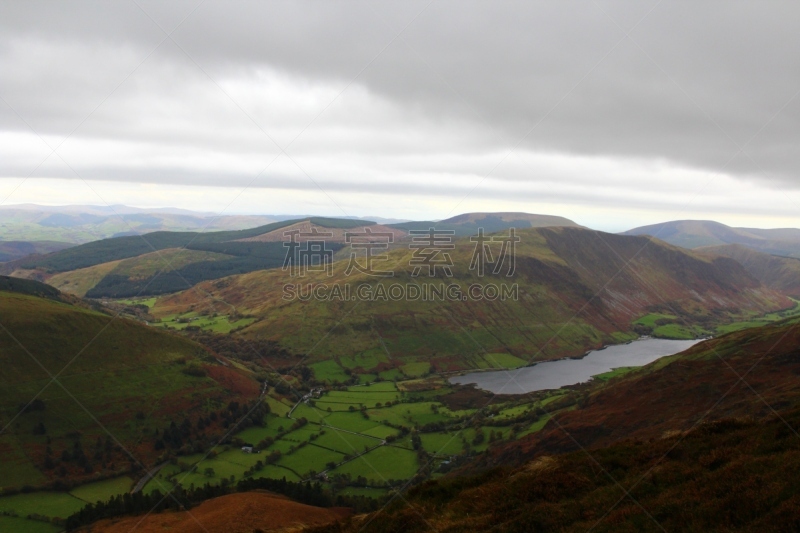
pixel 612 114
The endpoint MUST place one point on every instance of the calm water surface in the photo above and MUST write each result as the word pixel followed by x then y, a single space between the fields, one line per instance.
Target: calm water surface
pixel 556 374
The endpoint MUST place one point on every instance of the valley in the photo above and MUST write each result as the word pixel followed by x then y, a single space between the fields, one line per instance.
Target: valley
pixel 203 389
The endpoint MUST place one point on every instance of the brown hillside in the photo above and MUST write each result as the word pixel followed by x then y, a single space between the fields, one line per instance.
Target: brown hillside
pixel 235 513
pixel 779 273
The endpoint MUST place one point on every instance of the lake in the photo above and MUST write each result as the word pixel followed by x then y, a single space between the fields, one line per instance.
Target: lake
pixel 556 374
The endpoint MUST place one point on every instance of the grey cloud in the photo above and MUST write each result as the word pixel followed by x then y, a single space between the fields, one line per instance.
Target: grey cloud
pixel 717 71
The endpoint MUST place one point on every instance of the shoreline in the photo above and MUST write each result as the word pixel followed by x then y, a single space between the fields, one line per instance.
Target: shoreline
pixel 458 373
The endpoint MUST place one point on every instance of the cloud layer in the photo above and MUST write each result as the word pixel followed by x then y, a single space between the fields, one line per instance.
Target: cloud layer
pixel 611 113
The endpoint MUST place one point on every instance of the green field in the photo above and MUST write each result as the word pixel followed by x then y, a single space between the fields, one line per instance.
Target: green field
pixel 329 371
pixel 49 504
pixel 214 324
pixel 344 442
pixel 614 372
pixel 382 464
pixel 23 525
pixel 442 443
pixel 310 457
pixel 103 490
pixel 414 370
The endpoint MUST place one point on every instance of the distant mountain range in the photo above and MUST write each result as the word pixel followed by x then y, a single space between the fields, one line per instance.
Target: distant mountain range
pixel 698 233
pixel 77 224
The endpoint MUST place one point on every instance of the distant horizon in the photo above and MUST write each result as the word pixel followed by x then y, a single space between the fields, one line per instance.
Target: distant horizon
pixel 375 218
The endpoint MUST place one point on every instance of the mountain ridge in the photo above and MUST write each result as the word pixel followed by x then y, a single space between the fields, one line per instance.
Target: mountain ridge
pixel 699 233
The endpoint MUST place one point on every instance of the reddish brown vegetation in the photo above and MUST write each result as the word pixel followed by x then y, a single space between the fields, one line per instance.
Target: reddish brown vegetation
pixel 234 381
pixel 236 513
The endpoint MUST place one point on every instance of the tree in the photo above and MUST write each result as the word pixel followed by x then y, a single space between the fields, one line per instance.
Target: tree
pixel 209 472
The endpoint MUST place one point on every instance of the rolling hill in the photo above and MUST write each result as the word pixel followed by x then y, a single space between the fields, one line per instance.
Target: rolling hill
pixel 679 445
pixel 118 384
pixel 577 289
pixel 776 272
pixel 697 233
pixel 163 262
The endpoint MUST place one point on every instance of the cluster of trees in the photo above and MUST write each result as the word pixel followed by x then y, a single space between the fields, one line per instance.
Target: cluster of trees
pixel 179 499
pixel 76 457
pixel 236 415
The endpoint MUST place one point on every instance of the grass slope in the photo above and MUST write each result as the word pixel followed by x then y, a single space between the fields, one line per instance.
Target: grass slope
pixel 113 375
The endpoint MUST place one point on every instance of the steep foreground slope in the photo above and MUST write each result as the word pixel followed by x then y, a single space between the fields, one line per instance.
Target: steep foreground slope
pixel 577 289
pixel 779 273
pixel 83 394
pixel 683 444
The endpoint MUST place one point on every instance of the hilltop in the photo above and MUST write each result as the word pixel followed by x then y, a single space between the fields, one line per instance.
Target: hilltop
pixel 469 223
pixel 119 383
pixel 698 233
pixel 577 289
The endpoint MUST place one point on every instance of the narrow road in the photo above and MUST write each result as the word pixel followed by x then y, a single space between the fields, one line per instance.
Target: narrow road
pixel 147 477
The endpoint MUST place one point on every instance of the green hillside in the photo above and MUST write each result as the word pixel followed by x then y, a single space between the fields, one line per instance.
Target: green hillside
pixel 577 289
pixel 117 383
